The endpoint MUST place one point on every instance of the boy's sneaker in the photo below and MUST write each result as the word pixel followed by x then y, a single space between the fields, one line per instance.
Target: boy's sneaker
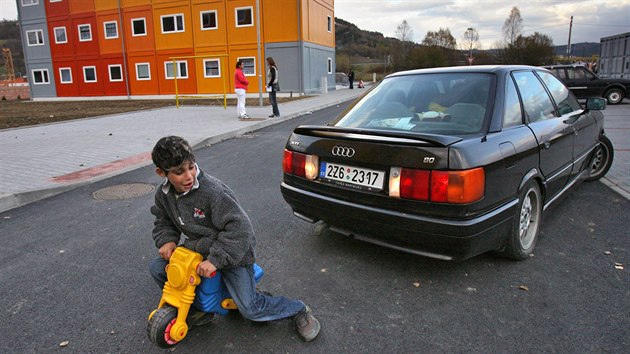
pixel 197 318
pixel 306 324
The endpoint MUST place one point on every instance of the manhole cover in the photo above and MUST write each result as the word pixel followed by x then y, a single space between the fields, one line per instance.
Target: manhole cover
pixel 123 191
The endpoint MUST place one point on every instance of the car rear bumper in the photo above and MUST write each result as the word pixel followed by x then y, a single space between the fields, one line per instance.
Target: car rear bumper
pixel 427 236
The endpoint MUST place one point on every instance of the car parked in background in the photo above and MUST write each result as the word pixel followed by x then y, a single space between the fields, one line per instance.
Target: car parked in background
pixel 584 83
pixel 448 162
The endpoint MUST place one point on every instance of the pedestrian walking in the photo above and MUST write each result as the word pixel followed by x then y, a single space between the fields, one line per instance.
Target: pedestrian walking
pixel 240 88
pixel 273 86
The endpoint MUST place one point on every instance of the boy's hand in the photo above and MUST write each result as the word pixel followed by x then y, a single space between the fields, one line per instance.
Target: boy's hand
pixel 206 268
pixel 166 251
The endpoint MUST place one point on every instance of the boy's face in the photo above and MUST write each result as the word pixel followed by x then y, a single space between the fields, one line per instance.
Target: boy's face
pixel 181 178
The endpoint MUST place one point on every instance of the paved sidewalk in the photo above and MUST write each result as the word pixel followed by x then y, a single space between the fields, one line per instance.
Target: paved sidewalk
pixel 44 160
pixel 41 161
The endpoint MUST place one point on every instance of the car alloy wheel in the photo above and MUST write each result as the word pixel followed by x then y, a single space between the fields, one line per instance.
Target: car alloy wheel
pixel 522 239
pixel 602 159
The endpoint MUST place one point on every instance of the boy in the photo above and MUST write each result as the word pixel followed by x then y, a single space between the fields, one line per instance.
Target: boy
pixel 204 209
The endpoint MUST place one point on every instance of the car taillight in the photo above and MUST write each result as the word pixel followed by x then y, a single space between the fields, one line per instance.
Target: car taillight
pixel 457 187
pixel 302 165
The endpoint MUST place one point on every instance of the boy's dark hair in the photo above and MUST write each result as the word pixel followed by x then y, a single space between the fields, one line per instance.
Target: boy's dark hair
pixel 171 152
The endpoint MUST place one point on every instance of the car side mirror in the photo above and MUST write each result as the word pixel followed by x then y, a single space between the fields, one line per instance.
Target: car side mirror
pixel 595 104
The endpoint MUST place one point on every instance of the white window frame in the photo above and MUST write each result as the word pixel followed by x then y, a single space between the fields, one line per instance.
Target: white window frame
pixel 246 58
pixel 329 62
pixel 65 34
pixel 85 76
pixel 179 71
pixel 105 29
pixel 218 66
pixel 250 8
pixel 174 17
pixel 29 2
pixel 61 75
pixel 133 29
pixel 148 70
pixel 46 77
pixel 40 36
pixel 89 26
pixel 216 20
pixel 55 0
pixel 329 24
pixel 109 70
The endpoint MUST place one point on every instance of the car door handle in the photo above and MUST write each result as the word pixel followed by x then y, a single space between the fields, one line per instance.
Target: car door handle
pixel 546 142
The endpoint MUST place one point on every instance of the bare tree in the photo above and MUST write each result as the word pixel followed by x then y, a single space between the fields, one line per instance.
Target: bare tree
pixel 513 26
pixel 470 41
pixel 404 32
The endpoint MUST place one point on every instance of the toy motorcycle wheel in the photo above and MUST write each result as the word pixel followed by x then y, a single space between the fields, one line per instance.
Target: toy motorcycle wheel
pixel 160 325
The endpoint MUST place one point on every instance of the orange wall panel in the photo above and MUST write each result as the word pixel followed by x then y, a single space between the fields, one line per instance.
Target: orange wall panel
pixel 315 23
pixel 173 40
pixel 209 37
pixel 131 3
pixel 244 34
pixel 148 86
pixel 103 5
pixel 214 84
pixel 80 6
pixel 184 85
pixel 280 19
pixel 112 44
pixel 138 43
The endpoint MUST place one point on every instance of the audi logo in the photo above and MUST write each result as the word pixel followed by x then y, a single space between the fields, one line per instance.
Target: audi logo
pixel 343 151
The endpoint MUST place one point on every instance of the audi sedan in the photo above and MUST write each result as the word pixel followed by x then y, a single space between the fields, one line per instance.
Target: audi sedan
pixel 448 162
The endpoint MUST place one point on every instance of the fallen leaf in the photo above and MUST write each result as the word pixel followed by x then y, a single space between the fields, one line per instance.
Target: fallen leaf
pixel 416 284
pixel 523 287
pixel 64 343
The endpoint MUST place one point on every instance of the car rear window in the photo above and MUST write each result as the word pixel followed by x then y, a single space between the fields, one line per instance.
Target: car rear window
pixel 446 103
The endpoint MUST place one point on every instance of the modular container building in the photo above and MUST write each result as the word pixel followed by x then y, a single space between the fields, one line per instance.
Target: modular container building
pixel 78 48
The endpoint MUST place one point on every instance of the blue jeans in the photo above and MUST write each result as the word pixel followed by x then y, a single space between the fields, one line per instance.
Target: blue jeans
pixel 241 285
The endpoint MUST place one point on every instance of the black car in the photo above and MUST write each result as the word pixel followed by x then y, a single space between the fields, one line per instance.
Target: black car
pixel 448 162
pixel 584 83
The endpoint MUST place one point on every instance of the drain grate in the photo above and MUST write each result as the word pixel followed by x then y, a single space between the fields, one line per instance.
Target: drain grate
pixel 123 191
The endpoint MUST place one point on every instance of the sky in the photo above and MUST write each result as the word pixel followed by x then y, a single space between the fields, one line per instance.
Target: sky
pixel 592 19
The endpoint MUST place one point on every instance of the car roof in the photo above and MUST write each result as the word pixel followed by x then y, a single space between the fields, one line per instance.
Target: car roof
pixel 491 69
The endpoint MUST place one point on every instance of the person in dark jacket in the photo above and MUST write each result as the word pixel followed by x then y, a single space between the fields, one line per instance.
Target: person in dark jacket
pixel 351 78
pixel 273 86
pixel 206 210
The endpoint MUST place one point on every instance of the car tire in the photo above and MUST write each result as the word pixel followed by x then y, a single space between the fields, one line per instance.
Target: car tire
pixel 602 159
pixel 523 235
pixel 614 96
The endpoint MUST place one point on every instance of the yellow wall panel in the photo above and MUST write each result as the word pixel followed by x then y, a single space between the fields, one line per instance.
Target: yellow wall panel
pixel 102 5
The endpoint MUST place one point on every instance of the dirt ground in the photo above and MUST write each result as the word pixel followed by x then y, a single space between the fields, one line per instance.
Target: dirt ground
pixel 19 113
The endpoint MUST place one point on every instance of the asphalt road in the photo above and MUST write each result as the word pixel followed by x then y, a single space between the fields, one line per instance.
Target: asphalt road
pixel 74 269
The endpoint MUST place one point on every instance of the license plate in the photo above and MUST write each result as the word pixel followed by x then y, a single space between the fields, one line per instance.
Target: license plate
pixel 353 176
